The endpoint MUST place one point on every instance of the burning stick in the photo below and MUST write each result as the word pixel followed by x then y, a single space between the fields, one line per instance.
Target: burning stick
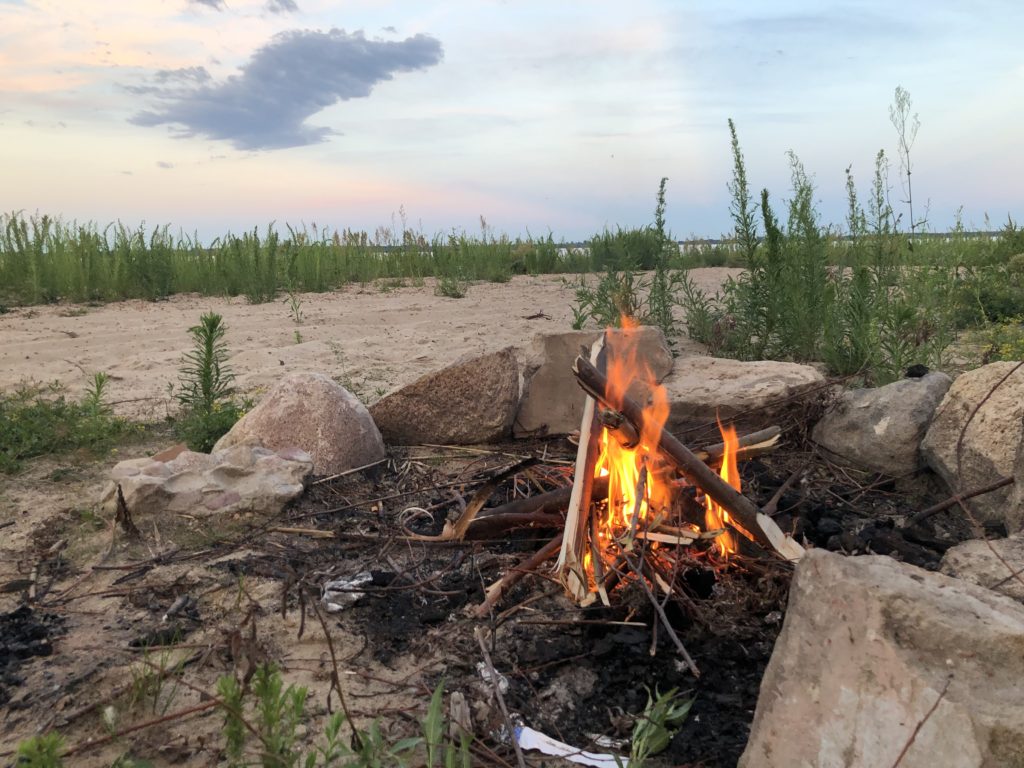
pixel 745 516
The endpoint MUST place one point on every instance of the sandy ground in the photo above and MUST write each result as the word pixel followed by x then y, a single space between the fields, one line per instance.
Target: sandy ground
pixel 371 339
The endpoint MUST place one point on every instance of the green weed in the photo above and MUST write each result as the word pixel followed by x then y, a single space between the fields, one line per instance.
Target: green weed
pixel 37 420
pixel 205 390
pixel 657 724
pixel 263 732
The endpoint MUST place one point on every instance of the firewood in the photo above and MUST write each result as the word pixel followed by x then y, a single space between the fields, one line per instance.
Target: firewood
pixel 569 567
pixel 744 514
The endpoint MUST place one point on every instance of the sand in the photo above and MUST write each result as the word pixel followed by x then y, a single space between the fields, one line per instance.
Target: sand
pixel 370 339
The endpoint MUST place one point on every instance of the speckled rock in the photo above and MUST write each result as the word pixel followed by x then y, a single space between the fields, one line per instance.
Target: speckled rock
pixel 311 412
pixel 472 401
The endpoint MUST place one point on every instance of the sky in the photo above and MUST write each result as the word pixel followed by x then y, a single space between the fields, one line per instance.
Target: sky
pixel 218 116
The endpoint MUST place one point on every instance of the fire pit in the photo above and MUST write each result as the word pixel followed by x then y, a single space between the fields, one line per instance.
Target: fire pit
pixel 623 508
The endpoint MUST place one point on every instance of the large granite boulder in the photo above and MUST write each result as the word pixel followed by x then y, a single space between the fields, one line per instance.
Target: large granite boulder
pixel 243 478
pixel 700 387
pixel 552 401
pixel 991 443
pixel 996 564
pixel 881 429
pixel 472 401
pixel 311 412
pixel 869 648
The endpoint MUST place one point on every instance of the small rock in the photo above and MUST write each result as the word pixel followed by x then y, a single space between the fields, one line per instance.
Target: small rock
pixel 552 401
pixel 244 478
pixel 471 401
pixel 976 562
pixel 881 428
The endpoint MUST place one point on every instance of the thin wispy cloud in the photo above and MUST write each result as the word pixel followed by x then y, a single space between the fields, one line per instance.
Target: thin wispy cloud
pixel 287 81
pixel 282 6
pixel 217 5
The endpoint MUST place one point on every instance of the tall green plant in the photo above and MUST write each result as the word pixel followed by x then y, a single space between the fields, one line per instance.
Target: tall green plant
pixel 206 391
pixel 742 210
pixel 906 126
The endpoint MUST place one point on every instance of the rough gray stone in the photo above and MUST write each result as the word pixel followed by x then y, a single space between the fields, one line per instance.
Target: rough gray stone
pixel 699 387
pixel 311 412
pixel 991 442
pixel 866 651
pixel 974 561
pixel 552 401
pixel 243 478
pixel 881 429
pixel 471 401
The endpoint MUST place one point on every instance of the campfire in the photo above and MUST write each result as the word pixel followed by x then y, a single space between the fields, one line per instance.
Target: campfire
pixel 630 474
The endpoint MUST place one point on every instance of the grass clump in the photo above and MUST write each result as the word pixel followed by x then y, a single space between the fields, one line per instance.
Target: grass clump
pixel 37 420
pixel 264 731
pixel 206 394
pixel 640 278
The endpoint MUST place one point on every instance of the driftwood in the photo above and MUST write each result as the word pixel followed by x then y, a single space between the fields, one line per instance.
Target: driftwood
pixel 744 514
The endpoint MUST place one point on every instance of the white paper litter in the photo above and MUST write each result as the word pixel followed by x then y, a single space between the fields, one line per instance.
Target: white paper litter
pixel 339 594
pixel 531 739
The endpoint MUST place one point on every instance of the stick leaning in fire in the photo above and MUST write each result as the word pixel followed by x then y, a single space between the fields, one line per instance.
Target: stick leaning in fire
pixel 745 516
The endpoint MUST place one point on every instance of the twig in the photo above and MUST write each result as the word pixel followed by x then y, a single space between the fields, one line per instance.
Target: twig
pixel 335 677
pixel 955 499
pixel 501 700
pixel 82 746
pixel 772 507
pixel 661 615
pixel 497 589
pixel 348 472
pixel 920 724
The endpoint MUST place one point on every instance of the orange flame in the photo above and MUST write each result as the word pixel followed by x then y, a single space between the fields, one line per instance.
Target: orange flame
pixel 639 479
pixel 625 465
pixel 715 517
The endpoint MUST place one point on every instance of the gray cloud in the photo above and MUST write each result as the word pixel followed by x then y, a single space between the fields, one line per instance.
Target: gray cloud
pixel 282 6
pixel 187 74
pixel 291 78
pixel 164 164
pixel 217 5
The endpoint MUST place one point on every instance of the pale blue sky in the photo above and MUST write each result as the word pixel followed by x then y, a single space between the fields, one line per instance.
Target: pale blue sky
pixel 217 115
